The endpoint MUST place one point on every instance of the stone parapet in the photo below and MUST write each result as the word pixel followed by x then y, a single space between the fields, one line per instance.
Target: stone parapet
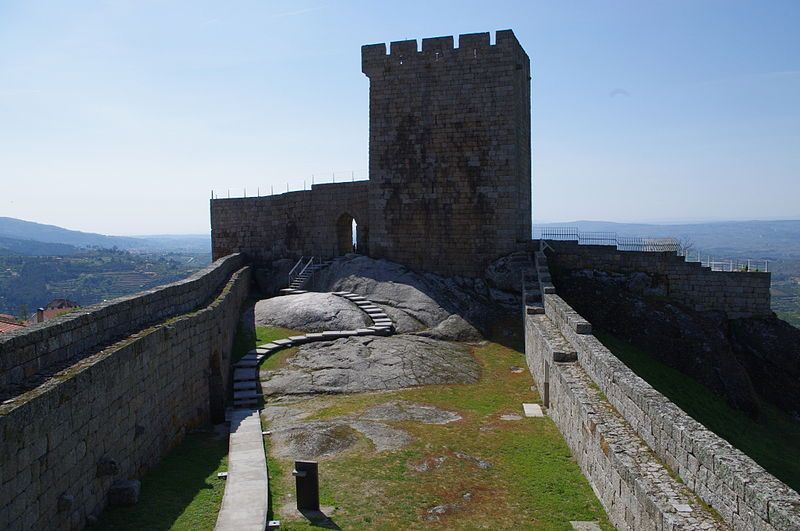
pixel 600 390
pixel 30 353
pixel 737 294
pixel 113 415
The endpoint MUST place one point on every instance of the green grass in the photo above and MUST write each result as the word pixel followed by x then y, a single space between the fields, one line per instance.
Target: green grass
pixel 534 483
pixel 772 440
pixel 245 341
pixel 181 493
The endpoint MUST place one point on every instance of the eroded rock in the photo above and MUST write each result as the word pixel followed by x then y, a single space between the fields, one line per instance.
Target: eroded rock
pixel 359 364
pixel 311 312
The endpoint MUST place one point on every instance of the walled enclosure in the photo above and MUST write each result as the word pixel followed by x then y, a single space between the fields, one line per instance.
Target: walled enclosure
pixel 737 294
pixel 632 443
pixel 289 225
pixel 115 412
pixel 450 166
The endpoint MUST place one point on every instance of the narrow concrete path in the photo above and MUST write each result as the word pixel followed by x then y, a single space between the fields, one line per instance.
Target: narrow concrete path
pixel 245 502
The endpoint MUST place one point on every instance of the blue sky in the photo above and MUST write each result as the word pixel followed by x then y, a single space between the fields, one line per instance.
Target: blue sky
pixel 121 116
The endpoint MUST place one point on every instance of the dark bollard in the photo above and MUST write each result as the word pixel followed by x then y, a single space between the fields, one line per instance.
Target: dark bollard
pixel 307 485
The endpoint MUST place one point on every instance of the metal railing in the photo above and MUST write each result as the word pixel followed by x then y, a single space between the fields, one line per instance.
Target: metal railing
pixel 644 244
pixel 622 243
pixel 294 185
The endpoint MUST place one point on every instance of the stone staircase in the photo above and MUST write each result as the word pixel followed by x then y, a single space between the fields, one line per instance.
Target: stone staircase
pixel 302 272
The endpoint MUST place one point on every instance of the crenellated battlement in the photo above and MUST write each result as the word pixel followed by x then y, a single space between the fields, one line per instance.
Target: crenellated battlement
pixel 471 46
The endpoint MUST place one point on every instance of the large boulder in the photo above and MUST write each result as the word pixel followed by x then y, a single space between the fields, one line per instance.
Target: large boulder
pixel 359 364
pixel 454 328
pixel 311 312
pixel 426 298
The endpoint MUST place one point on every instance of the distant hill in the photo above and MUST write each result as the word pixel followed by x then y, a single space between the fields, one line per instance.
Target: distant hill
pixel 771 240
pixel 16 247
pixel 18 229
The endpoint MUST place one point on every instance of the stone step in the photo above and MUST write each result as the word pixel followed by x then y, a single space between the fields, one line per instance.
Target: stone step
pixel 283 342
pixel 269 347
pixel 251 357
pixel 244 374
pixel 298 340
pixel 242 395
pixel 315 336
pixel 332 334
pixel 249 403
pixel 245 386
pixel 365 332
pixel 245 364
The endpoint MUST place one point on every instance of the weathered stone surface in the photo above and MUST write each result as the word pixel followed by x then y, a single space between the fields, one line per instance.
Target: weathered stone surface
pixel 402 410
pixel 295 437
pixel 744 360
pixel 449 168
pixel 630 440
pixel 131 401
pixel 358 364
pixel 505 273
pixel 311 312
pixel 124 493
pixel 32 354
pixel 454 328
pixel 107 467
pixel 425 297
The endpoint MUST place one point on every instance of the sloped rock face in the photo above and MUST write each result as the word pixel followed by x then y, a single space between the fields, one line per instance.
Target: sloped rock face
pixel 741 359
pixel 769 349
pixel 311 312
pixel 425 298
pixel 359 364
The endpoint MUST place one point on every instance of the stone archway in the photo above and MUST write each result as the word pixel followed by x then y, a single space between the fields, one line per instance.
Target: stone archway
pixel 348 234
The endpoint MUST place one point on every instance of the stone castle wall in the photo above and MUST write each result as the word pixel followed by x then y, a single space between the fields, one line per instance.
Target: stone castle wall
pixel 30 353
pixel 633 444
pixel 450 167
pixel 291 225
pixel 737 294
pixel 129 403
pixel 449 151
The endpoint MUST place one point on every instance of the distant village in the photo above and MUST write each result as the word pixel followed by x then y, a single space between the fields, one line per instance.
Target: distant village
pixel 56 307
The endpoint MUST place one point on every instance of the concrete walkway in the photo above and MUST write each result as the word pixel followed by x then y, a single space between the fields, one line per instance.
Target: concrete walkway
pixel 245 502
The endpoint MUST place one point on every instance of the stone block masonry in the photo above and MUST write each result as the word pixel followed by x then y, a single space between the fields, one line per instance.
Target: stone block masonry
pixel 449 164
pixel 311 223
pixel 113 414
pixel 737 294
pixel 633 444
pixel 449 151
pixel 28 355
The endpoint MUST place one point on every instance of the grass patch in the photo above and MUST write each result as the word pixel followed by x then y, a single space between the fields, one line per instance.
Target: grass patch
pixel 181 493
pixel 772 440
pixel 246 341
pixel 533 482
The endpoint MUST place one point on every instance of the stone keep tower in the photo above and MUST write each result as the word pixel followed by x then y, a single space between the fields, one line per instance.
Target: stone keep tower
pixel 449 151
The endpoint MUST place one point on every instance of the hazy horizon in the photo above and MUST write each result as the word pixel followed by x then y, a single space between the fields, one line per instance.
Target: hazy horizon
pixel 536 223
pixel 121 117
